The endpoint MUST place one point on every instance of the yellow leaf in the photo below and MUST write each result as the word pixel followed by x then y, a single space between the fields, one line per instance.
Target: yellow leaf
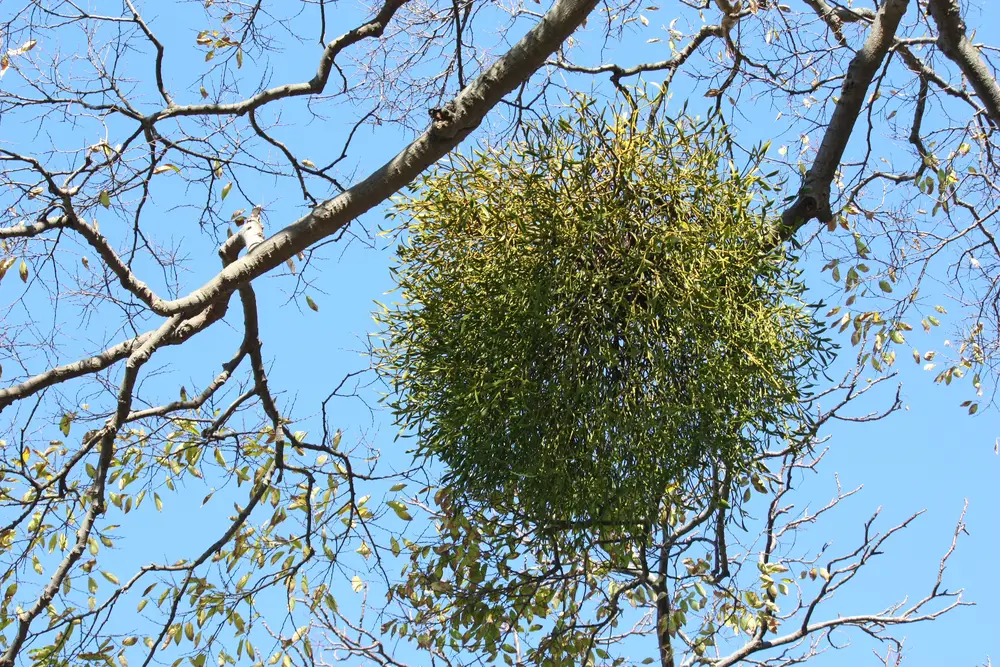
pixel 24 48
pixel 400 510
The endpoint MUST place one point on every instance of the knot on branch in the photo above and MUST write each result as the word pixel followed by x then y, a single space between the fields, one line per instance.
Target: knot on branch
pixel 813 202
pixel 250 235
pixel 446 124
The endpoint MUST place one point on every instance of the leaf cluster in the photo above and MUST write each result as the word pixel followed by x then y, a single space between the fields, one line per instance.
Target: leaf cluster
pixel 593 313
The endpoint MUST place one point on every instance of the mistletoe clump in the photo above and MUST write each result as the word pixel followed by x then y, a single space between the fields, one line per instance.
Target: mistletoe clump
pixel 593 313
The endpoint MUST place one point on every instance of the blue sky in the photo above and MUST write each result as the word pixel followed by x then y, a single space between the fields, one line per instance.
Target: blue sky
pixel 928 456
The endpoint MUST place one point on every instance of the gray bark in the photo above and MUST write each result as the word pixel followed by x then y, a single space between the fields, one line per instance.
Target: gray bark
pixel 813 200
pixel 464 114
pixel 956 46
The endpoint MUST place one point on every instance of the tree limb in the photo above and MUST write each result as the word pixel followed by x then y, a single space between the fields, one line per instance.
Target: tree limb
pixel 957 47
pixel 464 114
pixel 813 199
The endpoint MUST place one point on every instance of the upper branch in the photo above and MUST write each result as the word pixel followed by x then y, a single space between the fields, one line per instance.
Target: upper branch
pixel 463 115
pixel 813 200
pixel 956 46
pixel 315 85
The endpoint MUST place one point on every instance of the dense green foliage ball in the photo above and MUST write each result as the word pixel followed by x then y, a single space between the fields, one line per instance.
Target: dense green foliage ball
pixel 591 314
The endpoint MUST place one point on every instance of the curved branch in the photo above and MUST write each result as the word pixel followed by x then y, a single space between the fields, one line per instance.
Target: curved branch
pixel 96 506
pixel 100 245
pixel 463 115
pixel 618 72
pixel 315 85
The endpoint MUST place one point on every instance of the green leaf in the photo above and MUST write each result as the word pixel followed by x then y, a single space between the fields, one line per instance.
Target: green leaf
pixel 226 188
pixel 860 247
pixel 105 199
pixel 312 304
pixel 885 285
pixel 65 423
pixel 400 510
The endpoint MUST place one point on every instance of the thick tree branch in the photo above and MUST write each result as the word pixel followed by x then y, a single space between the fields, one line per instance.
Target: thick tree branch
pixel 813 200
pixel 464 114
pixel 957 47
pixel 111 356
pixel 100 245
